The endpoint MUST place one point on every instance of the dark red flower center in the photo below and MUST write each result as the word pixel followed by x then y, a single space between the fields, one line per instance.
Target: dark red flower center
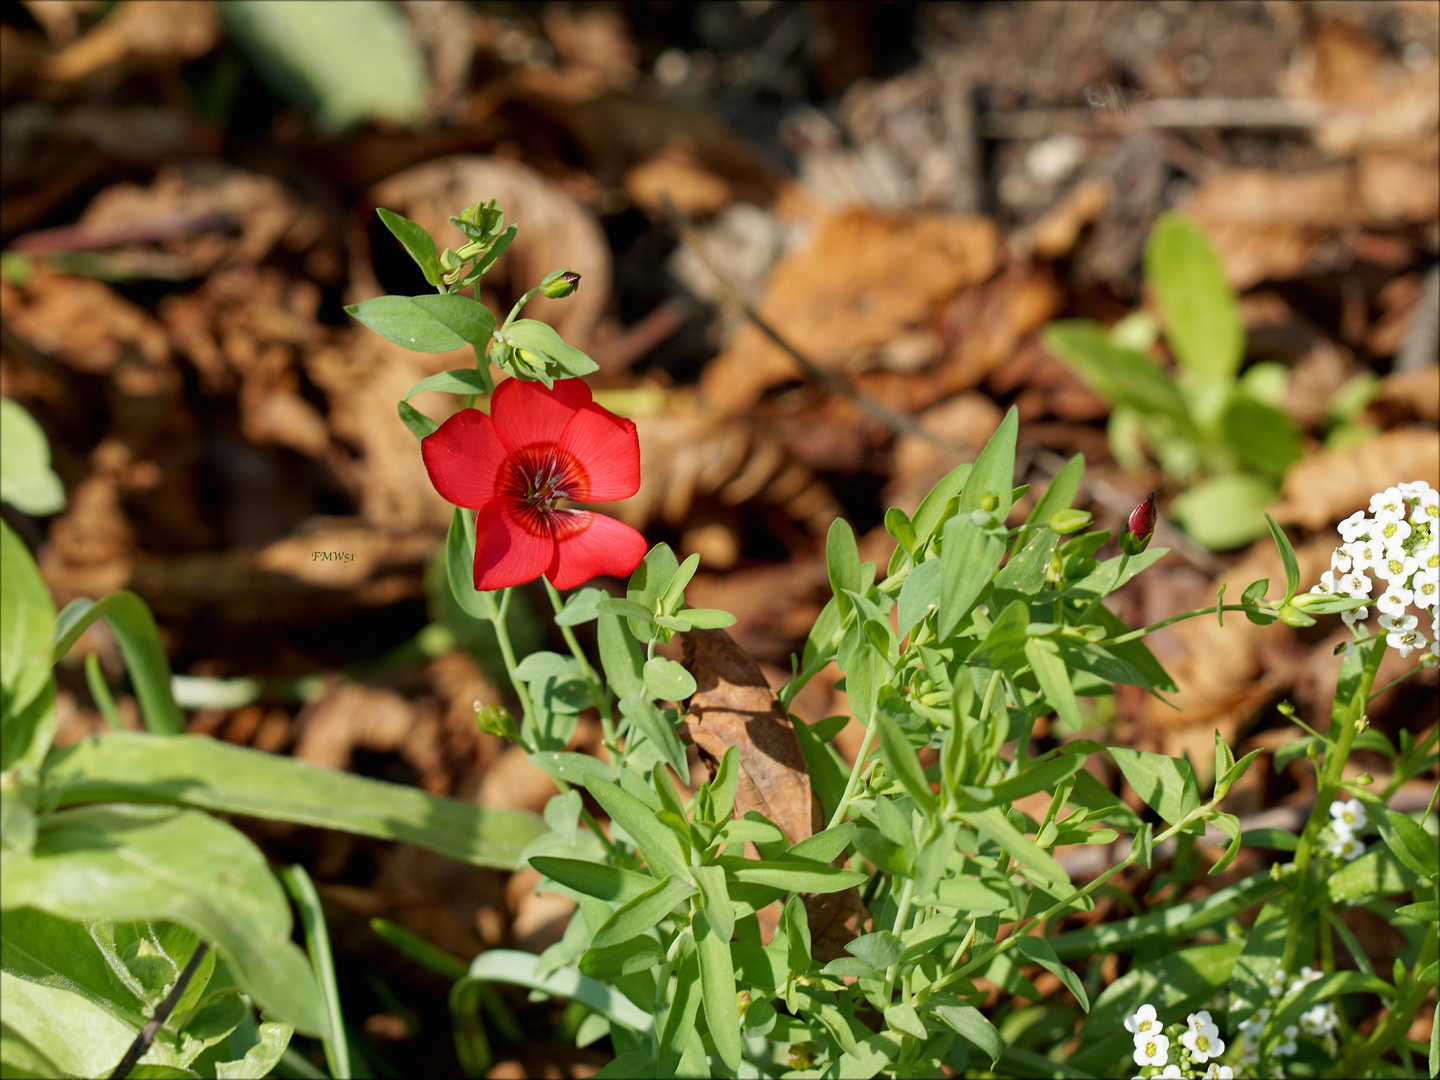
pixel 536 477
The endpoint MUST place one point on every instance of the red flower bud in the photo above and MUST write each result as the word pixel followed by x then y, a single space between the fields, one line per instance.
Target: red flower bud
pixel 1139 527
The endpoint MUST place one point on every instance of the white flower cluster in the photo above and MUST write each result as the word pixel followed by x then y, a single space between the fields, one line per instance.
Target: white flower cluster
pixel 1319 1022
pixel 1200 1043
pixel 1347 817
pixel 1399 545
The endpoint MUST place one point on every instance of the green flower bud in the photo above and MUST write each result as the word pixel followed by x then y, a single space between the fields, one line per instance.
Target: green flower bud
pixel 989 502
pixel 1291 615
pixel 560 284
pixel 1066 522
pixel 496 720
pixel 1363 780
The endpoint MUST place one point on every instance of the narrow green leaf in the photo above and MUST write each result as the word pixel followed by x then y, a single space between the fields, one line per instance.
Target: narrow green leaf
pixel 134 628
pixel 1287 556
pixel 1409 843
pixel 416 241
pixel 193 770
pixel 679 1014
pixel 968 1022
pixel 1037 950
pixel 520 968
pixel 658 844
pixel 790 876
pixel 994 470
pixel 608 883
pixel 1045 870
pixel 27 624
pixel 317 945
pixel 932 507
pixel 1054 679
pixel 718 909
pixel 620 654
pixel 967 561
pixel 642 913
pixel 1199 309
pixel 901 762
pixel 1060 495
pixel 651 723
pixel 458 381
pixel 717 983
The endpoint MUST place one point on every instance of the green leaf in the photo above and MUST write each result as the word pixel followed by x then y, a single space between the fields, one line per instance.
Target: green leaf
pixel 885 853
pixel 1287 556
pixel 1167 784
pixel 668 681
pixel 673 598
pixel 133 862
pixel 897 524
pixel 708 618
pixel 968 1022
pixel 1225 512
pixel 1121 376
pixel 931 510
pixel 27 620
pixel 717 986
pixel 879 950
pixel 842 561
pixel 651 723
pixel 1197 305
pixel 1264 949
pixel 1060 495
pixel 642 913
pixel 340 64
pixel 905 1020
pixel 824 846
pixel 790 876
pixel 994 470
pixel 1005 641
pixel 968 560
pixel 540 340
pixel 1037 950
pixel 1325 988
pixel 1427 911
pixel 607 883
pixel 620 654
pixel 456 381
pixel 716 898
pixel 919 595
pixel 416 241
pixel 1379 872
pixel 658 844
pixel 902 764
pixel 41 1026
pixel 519 968
pixel 1261 436
pixel 134 628
pixel 1054 679
pixel 420 425
pixel 193 770
pixel 26 480
pixel 581 607
pixel 1042 867
pixel 429 324
pixel 1041 776
pixel 1409 843
pixel 317 944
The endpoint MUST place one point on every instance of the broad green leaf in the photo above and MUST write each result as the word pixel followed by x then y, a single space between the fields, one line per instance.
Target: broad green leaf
pixel 1260 436
pixel 1199 310
pixel 1167 784
pixel 994 470
pixel 429 324
pixel 1004 643
pixel 1224 512
pixel 1174 983
pixel 968 1022
pixel 520 968
pixel 642 913
pixel 1427 911
pixel 790 876
pixel 340 63
pixel 842 560
pixel 612 962
pixel 668 680
pixel 717 984
pixel 1103 580
pixel 134 628
pixel 1379 872
pixel 26 480
pixel 932 508
pixel 879 950
pixel 419 425
pixel 27 621
pixel 261 1056
pixel 620 654
pixel 193 770
pixel 41 948
pixel 658 844
pixel 1042 866
pixel 76 1035
pixel 1037 950
pixel 581 607
pixel 967 561
pixel 919 595
pixel 648 584
pixel 897 524
pixel 901 762
pixel 1409 843
pixel 905 1020
pixel 416 242
pixel 561 361
pixel 133 862
pixel 885 853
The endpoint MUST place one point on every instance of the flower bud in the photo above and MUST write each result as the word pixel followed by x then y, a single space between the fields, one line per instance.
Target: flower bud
pixel 560 284
pixel 1363 780
pixel 1066 522
pixel 989 502
pixel 1291 615
pixel 496 720
pixel 1139 527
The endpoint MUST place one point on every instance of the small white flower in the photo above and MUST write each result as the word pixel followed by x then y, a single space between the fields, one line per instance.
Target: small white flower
pixel 1340 560
pixel 1428 508
pixel 1393 533
pixel 1319 1020
pixel 1364 554
pixel 1218 1072
pixel 1350 618
pixel 1197 1020
pixel 1288 1047
pixel 1347 847
pixel 1172 1072
pixel 1355 527
pixel 1276 986
pixel 1404 643
pixel 1326 584
pixel 1203 1042
pixel 1351 814
pixel 1151 1049
pixel 1355 584
pixel 1395 566
pixel 1413 489
pixel 1143 1022
pixel 1388 505
pixel 1395 599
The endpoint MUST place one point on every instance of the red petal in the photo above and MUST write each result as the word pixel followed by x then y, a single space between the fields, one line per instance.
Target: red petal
pixel 525 412
pixel 506 552
pixel 608 449
pixel 589 544
pixel 463 457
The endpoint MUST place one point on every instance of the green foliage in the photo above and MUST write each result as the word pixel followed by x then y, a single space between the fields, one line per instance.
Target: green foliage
pixel 26 480
pixel 1211 427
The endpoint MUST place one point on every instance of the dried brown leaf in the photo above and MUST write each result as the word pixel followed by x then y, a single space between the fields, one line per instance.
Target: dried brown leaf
pixel 1323 488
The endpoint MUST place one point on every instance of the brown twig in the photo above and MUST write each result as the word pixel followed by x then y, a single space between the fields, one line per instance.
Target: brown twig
pixel 162 1013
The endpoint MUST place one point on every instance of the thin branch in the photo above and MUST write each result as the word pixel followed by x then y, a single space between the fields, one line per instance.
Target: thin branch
pixel 162 1013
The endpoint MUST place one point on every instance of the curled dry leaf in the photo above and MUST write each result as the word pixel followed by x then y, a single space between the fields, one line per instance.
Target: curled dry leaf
pixel 1324 488
pixel 733 705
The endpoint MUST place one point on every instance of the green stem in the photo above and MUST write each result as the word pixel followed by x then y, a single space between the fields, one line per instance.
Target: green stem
pixel 514 311
pixel 597 692
pixel 1134 634
pixel 850 785
pixel 1114 584
pixel 907 894
pixel 1397 1020
pixel 1328 784
pixel 507 653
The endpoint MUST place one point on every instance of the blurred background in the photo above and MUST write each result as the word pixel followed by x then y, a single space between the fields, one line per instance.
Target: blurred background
pixel 907 193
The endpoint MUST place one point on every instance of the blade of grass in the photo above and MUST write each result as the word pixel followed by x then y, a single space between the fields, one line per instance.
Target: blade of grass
pixel 317 943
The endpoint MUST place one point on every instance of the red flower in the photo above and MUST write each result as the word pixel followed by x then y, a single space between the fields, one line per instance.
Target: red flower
pixel 536 447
